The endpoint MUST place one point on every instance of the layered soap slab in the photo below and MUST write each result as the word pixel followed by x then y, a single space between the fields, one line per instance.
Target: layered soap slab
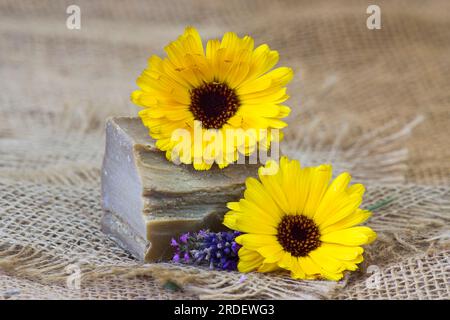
pixel 147 200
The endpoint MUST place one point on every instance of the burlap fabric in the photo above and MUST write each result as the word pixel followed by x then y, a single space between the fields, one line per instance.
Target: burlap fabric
pixel 374 102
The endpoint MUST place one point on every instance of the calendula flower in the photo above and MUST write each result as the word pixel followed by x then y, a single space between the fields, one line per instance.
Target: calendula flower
pixel 226 87
pixel 297 220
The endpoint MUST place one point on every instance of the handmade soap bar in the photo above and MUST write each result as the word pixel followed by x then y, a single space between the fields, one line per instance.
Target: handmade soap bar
pixel 147 200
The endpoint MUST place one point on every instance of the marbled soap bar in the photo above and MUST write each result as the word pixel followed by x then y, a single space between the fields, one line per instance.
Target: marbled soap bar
pixel 147 200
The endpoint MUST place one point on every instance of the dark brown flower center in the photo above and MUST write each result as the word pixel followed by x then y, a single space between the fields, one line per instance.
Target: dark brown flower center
pixel 298 235
pixel 213 104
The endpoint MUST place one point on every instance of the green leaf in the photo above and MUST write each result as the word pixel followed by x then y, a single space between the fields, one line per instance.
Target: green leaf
pixel 380 204
pixel 172 286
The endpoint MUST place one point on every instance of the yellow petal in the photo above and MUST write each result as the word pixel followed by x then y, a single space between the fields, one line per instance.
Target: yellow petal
pixel 263 59
pixel 276 78
pixel 272 183
pixel 341 252
pixel 276 123
pixel 249 266
pixel 319 179
pixel 268 267
pixel 202 166
pixel 284 111
pixel 255 241
pixel 296 270
pixel 333 193
pixel 251 211
pixel 194 41
pixel 292 264
pixel 357 188
pixel 325 261
pixel 291 182
pixel 286 261
pixel 357 217
pixel 242 222
pixel 255 85
pixel 302 189
pixel 260 110
pixel 272 95
pixel 236 74
pixel 354 236
pixel 249 260
pixel 256 193
pixel 308 266
pixel 280 76
pixel 234 206
pixel 272 253
pixel 332 276
pixel 344 207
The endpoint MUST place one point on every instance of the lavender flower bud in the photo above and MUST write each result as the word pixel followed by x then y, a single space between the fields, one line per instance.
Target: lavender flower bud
pixel 216 250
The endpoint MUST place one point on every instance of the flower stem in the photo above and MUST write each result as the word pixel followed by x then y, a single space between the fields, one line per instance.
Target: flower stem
pixel 381 203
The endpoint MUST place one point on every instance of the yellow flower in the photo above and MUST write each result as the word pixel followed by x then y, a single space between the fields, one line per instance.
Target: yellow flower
pixel 228 86
pixel 297 220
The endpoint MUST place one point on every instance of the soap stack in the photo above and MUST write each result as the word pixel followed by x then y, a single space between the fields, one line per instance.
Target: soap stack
pixel 147 200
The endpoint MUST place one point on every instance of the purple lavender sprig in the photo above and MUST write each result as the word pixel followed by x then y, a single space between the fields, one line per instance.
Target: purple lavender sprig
pixel 218 250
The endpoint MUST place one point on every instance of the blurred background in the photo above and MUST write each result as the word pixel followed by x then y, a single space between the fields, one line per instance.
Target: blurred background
pixel 343 70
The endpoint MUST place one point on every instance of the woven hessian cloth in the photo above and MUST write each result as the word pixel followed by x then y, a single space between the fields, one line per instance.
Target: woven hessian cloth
pixel 373 102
